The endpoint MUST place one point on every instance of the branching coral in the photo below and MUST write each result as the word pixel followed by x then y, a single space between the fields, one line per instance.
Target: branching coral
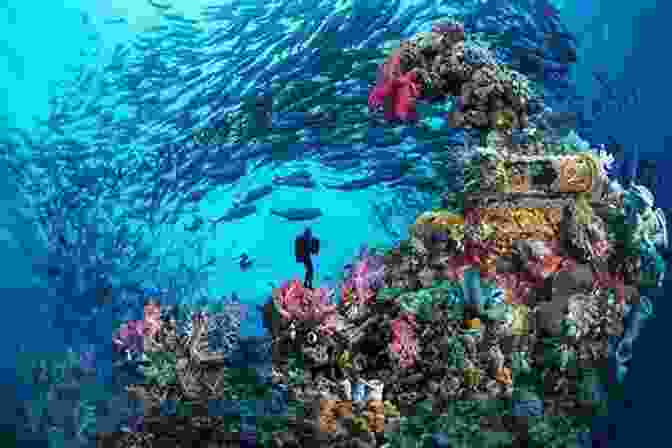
pixel 295 302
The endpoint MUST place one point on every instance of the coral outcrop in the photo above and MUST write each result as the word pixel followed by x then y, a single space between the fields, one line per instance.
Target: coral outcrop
pixel 444 63
pixel 500 310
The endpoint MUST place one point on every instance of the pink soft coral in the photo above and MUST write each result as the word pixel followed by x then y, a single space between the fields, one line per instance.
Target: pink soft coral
pixel 396 92
pixel 404 345
pixel 295 302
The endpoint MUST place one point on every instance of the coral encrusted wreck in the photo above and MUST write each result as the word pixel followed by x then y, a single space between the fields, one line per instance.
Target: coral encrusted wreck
pixel 493 324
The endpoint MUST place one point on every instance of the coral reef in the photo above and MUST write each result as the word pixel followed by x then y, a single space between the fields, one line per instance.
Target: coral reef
pixel 491 325
pixel 441 63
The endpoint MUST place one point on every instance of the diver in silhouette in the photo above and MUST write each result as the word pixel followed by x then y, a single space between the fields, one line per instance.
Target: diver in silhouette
pixel 244 261
pixel 306 245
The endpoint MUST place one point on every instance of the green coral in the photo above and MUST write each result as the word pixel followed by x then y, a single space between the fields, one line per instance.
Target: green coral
pixel 454 201
pixel 536 168
pixel 558 149
pixel 86 424
pixel 360 424
pixel 647 226
pixel 584 211
pixel 242 384
pixel 472 175
pixel 556 431
pixel 344 360
pixel 589 165
pixel 295 370
pixel 461 423
pixel 503 175
pixel 421 302
pixel 454 352
pixel 387 294
pixel 390 409
pixel 520 363
pixel 424 39
pixel 504 120
pixel 520 84
pixel 622 232
pixel 160 368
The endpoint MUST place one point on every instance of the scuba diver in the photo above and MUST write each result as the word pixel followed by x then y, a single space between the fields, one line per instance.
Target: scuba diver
pixel 244 261
pixel 306 245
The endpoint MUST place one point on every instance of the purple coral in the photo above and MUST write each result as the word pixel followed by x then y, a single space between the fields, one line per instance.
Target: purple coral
pixel 368 271
pixel 362 278
pixel 87 358
pixel 448 27
pixel 130 336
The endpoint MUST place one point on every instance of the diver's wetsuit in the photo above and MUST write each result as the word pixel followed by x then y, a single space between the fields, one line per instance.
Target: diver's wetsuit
pixel 306 245
pixel 308 263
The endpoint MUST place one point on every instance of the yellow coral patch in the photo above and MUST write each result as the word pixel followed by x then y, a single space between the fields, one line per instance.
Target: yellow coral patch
pixel 520 325
pixel 511 224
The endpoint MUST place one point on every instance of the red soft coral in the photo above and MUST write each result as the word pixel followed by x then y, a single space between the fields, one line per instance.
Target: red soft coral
pixel 404 93
pixel 396 92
